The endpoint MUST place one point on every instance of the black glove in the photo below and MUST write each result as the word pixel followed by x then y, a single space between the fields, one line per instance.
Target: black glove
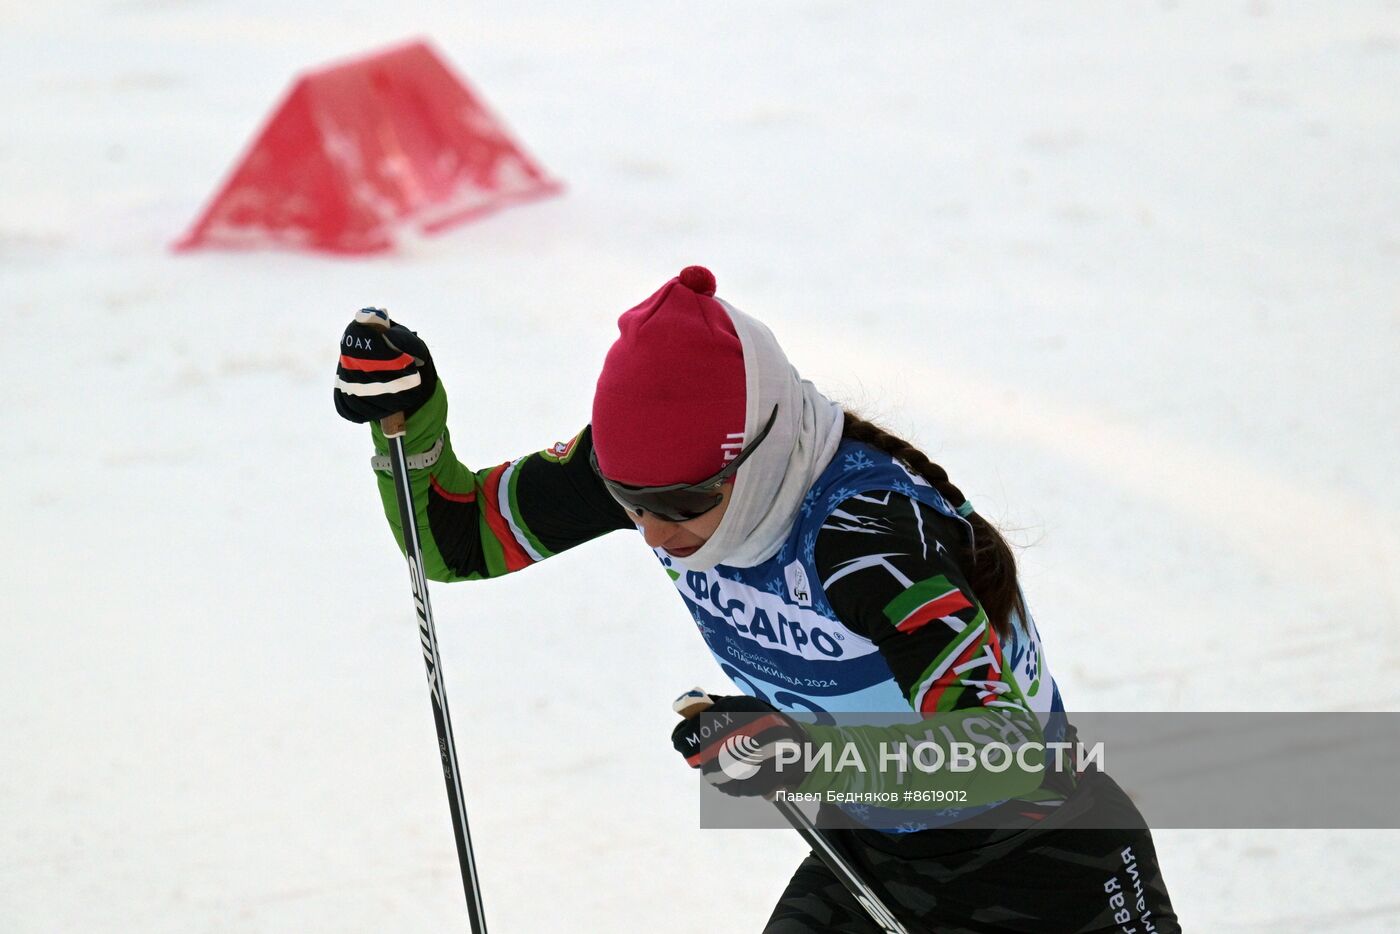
pixel 736 745
pixel 381 371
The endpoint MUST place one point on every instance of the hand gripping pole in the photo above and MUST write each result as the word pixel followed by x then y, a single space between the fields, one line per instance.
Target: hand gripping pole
pixel 393 427
pixel 696 702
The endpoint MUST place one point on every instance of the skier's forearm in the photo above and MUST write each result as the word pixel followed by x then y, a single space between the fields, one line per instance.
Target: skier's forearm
pixel 931 764
pixel 426 437
pixel 485 523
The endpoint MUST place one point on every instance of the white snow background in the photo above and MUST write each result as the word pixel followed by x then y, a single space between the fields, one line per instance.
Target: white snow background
pixel 1129 270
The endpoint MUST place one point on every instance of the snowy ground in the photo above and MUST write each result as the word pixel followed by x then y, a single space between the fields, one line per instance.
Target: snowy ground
pixel 1130 270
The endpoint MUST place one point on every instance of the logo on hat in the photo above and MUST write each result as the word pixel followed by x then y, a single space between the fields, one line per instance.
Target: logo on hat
pixel 733 444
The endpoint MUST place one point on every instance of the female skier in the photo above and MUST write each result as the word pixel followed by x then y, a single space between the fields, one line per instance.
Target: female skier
pixel 829 566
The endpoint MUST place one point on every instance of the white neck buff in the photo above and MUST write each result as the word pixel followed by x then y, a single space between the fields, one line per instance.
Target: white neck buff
pixel 770 484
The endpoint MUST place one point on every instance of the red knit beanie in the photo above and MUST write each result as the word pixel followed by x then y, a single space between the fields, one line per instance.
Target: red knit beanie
pixel 670 401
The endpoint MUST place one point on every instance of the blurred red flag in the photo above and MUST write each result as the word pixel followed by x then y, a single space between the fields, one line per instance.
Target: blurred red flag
pixel 360 148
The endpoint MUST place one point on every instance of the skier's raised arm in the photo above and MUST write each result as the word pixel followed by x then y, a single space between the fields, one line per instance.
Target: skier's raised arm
pixel 475 524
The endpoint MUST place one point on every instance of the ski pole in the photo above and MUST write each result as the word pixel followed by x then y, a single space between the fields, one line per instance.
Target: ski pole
pixel 696 702
pixel 394 430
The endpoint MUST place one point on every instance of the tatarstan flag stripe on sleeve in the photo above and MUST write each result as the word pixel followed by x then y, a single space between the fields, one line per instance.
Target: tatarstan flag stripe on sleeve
pixel 934 598
pixel 510 506
pixel 515 556
pixel 969 638
pixel 937 608
pixel 937 698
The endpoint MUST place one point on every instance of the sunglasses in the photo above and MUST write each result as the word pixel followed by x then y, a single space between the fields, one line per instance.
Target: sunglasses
pixel 680 502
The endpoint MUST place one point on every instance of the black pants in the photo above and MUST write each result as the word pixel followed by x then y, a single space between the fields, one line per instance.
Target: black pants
pixel 1050 878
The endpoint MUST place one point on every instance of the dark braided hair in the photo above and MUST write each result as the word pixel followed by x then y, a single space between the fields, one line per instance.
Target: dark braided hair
pixel 989 565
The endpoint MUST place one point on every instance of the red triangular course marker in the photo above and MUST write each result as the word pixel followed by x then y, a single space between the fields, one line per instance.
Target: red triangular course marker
pixel 362 148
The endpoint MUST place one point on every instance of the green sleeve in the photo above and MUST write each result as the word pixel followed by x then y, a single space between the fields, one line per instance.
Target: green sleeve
pixel 489 522
pixel 926 758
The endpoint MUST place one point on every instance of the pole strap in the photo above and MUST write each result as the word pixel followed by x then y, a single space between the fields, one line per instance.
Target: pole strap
pixel 428 458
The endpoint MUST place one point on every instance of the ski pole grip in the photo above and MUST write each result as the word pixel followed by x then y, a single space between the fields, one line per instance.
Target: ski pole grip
pixel 692 703
pixel 393 426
